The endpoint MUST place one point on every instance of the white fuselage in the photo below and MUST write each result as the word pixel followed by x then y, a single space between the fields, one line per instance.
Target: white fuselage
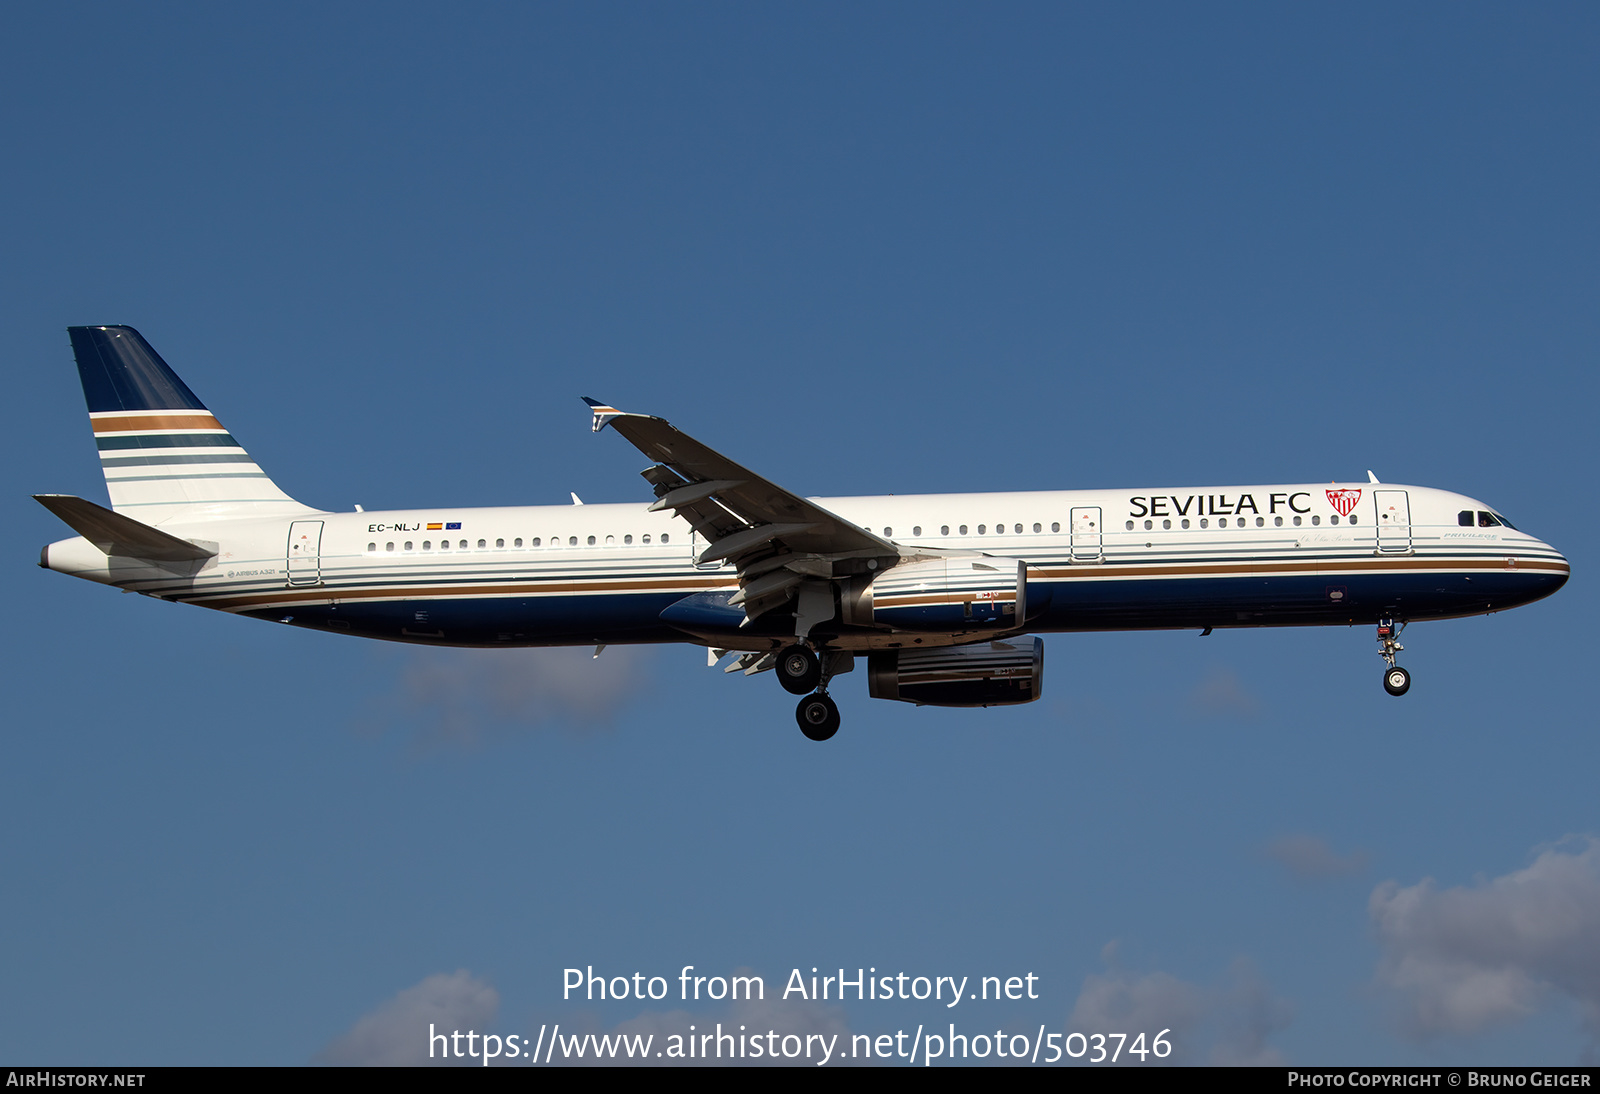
pixel 1095 560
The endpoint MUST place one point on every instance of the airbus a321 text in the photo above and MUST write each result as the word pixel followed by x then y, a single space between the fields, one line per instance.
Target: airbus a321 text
pixel 940 593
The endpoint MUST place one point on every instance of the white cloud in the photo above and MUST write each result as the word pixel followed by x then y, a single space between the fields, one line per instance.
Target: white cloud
pixel 1464 959
pixel 396 1034
pixel 1226 1024
pixel 1247 1013
pixel 1309 856
pixel 749 1019
pixel 465 697
pixel 1221 695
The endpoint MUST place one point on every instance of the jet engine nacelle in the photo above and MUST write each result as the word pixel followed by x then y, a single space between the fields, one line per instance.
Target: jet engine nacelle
pixel 986 674
pixel 945 594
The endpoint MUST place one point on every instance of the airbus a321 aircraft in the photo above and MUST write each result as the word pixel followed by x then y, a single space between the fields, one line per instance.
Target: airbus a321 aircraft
pixel 940 593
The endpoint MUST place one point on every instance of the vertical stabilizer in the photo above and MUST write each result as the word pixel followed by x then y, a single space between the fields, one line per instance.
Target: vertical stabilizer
pixel 164 455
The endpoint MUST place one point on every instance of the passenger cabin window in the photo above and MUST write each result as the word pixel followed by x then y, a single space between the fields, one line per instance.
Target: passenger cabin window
pixel 1057 527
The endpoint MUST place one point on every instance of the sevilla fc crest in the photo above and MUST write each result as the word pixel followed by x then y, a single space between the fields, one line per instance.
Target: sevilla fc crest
pixel 1343 500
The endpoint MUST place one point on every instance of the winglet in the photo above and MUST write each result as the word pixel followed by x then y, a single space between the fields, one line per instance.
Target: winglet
pixel 602 413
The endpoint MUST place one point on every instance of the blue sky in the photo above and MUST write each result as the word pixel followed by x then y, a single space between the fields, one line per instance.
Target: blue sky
pixel 864 249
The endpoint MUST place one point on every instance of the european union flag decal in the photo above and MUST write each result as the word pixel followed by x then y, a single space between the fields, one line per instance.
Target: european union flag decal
pixel 452 526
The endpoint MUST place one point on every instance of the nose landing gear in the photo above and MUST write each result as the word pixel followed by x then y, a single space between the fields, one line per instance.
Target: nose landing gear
pixel 1396 680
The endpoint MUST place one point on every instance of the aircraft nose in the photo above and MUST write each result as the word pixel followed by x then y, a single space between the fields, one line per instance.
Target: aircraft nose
pixel 1561 569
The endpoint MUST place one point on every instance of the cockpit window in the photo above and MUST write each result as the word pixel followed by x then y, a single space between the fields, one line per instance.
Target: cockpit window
pixel 1464 518
pixel 1487 520
pixel 1506 522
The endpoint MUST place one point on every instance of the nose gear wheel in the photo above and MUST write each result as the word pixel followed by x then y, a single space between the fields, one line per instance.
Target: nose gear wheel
pixel 1396 680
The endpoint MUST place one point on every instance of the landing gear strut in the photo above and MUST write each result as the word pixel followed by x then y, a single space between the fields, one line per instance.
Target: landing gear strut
pixel 1396 680
pixel 801 670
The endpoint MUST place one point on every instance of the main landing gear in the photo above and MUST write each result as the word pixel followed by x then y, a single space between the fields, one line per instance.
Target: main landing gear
pixel 1396 680
pixel 818 716
pixel 800 671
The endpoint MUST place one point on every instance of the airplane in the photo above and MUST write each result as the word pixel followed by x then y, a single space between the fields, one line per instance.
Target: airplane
pixel 942 594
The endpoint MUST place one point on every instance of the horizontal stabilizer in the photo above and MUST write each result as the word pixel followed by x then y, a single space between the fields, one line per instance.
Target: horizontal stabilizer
pixel 118 535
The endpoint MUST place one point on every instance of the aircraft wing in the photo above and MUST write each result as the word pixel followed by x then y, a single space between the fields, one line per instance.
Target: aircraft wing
pixel 741 515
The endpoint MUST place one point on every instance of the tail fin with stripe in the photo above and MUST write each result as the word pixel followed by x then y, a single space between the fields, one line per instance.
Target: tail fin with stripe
pixel 164 455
